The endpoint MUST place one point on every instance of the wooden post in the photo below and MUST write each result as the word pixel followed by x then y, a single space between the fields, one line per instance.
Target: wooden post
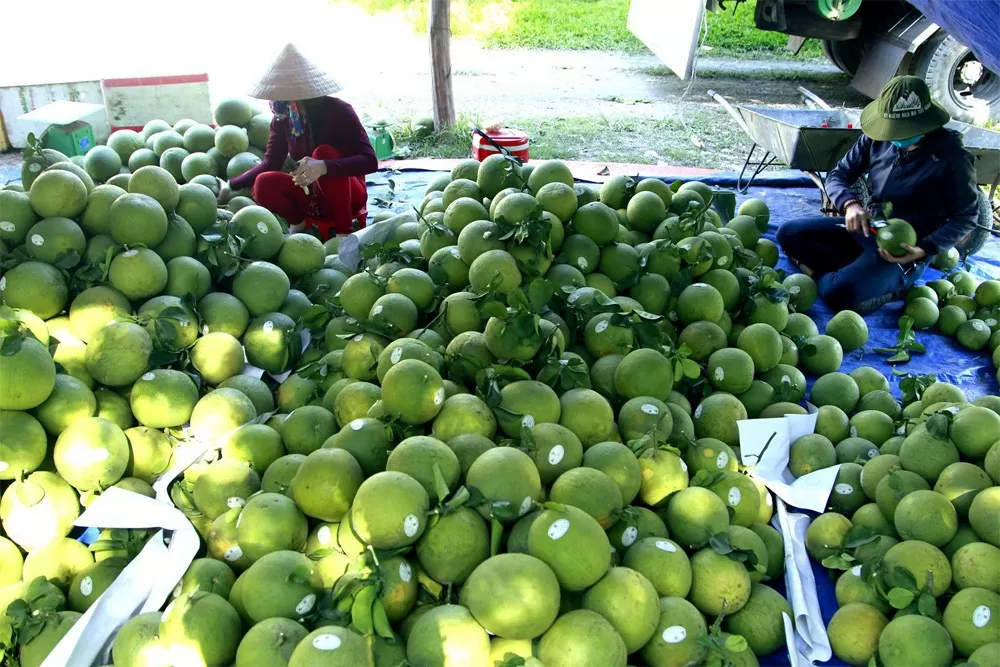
pixel 439 26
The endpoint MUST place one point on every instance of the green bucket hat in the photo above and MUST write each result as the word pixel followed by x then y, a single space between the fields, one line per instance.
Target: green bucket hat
pixel 903 109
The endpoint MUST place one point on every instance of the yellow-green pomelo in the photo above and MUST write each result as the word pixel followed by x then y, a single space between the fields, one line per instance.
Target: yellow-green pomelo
pixel 644 372
pixel 69 401
pixel 138 273
pixel 618 463
pixel 220 411
pixel 390 510
pixel 926 454
pixel 924 561
pixel 224 485
pixel 35 286
pixel 854 632
pixel 262 287
pixel 974 430
pixel 271 641
pixel 270 522
pixel 573 544
pixel 826 534
pixel 494 269
pixel 591 490
pixel 150 454
pixel 446 635
pixel 91 454
pixel 716 417
pixel 453 546
pixel 418 456
pixel 36 650
pixel 91 582
pixel 27 377
pixel 582 637
pixel 223 312
pixel 763 343
pixel 973 566
pixel 982 515
pixel 25 444
pixel 96 307
pixel 201 628
pixel 137 642
pixel 629 602
pixel 464 414
pixel 676 640
pixel 325 484
pixel 914 640
pixel 163 398
pixel 507 478
pixel 158 183
pixel 663 472
pixel 332 646
pixel 306 429
pixel 514 596
pixel 280 584
pixel 810 453
pixel 971 618
pixel 208 575
pixel 894 487
pixel 588 415
pixel 413 391
pixel 740 495
pixel 849 329
pixel 718 584
pixel 137 219
pixel 58 193
pixel 760 620
pixel 59 561
pixel 663 562
pixel 926 516
pixel 40 508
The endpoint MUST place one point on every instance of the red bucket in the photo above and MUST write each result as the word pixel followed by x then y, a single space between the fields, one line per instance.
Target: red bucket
pixel 514 141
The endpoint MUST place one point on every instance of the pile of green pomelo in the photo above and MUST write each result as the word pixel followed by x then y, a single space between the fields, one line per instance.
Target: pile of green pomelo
pixel 510 440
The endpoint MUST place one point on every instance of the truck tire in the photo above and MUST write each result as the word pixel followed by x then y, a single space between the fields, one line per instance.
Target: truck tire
pixel 846 55
pixel 957 80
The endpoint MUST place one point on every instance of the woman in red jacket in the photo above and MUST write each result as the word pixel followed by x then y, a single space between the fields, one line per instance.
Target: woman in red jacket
pixel 326 190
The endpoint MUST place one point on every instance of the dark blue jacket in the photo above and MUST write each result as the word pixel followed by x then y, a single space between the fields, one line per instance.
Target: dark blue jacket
pixel 933 186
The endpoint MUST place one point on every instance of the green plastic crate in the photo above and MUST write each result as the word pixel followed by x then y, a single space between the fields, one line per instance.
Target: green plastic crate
pixel 73 139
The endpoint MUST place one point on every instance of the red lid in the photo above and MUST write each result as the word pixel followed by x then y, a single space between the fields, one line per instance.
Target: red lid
pixel 508 137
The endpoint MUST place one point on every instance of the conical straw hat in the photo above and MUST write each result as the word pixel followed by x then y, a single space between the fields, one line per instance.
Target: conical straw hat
pixel 292 76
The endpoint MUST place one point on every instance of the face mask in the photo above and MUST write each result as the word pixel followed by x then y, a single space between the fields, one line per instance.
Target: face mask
pixel 906 143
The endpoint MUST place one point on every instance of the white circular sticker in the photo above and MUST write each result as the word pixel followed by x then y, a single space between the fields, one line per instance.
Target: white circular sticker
pixel 357 424
pixel 235 502
pixel 844 489
pixel 377 309
pixel 3 282
pixel 573 297
pixel 672 315
pixel 582 263
pixel 684 466
pixel 323 535
pixel 233 553
pixel 666 545
pixel 675 634
pixel 87 586
pixel 306 604
pixel 268 327
pixel 37 239
pixel 326 642
pixel 405 572
pixel 527 421
pixel 856 570
pixel 262 228
pixel 601 326
pixel 785 379
pixel 722 460
pixel 723 260
pixel 396 355
pixel 148 376
pixel 556 454
pixel 698 411
pixel 358 338
pixel 34 167
pixel 130 253
pixel 794 289
pixel 991 323
pixel 981 616
pixel 976 324
pixel 735 496
pixel 411 524
pixel 720 374
pixel 854 431
pixel 7 226
pixel 455 253
pixel 525 506
pixel 650 409
pixel 439 396
pixel 629 536
pixel 558 528
pixel 872 453
pixel 887 235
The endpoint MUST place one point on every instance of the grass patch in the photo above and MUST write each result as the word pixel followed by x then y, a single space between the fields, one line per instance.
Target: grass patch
pixel 639 140
pixel 582 25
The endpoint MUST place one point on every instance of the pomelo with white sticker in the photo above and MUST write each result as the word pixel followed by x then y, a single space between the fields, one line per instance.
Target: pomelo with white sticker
pixel 978 325
pixel 37 239
pixel 455 253
pixel 582 263
pixel 872 453
pixel 735 496
pixel 405 572
pixel 148 376
pixel 525 506
pixel 323 535
pixel 981 616
pixel 854 431
pixel 3 282
pixel 439 396
pixel 235 502
pixel 377 309
pixel 722 460
pixel 794 289
pixel 675 634
pixel 844 489
pixel 573 297
pixel 768 500
pixel 262 228
pixel 233 553
pixel 684 466
pixel 666 545
pixel 723 260
pixel 7 226
pixel 87 586
pixel 306 604
pixel 650 409
pixel 130 253
pixel 601 326
pixel 558 528
pixel 397 354
pixel 527 421
pixel 357 424
pixel 856 570
pixel 991 322
pixel 629 536
pixel 268 326
pixel 358 338
pixel 556 454
pixel 326 642
pixel 720 374
pixel 411 525
pixel 698 411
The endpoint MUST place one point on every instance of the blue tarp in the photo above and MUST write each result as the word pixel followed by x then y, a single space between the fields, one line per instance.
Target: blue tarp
pixel 972 22
pixel 791 194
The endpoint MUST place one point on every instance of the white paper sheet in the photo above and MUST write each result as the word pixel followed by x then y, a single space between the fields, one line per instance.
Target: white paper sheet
pixel 145 583
pixel 800 586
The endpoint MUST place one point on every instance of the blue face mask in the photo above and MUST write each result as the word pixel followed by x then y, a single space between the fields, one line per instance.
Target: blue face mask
pixel 906 143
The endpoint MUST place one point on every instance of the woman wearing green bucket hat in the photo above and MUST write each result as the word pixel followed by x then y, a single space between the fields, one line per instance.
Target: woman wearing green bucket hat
pixel 915 167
